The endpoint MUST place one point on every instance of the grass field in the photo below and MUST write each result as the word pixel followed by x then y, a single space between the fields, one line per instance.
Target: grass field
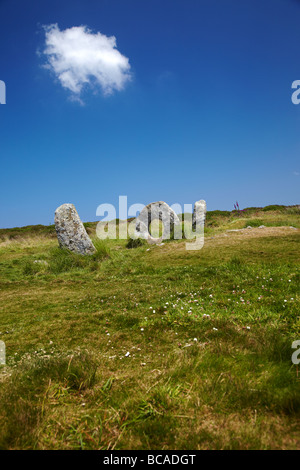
pixel 153 347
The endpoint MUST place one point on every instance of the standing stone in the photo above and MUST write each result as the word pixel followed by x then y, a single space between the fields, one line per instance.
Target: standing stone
pixel 156 210
pixel 199 214
pixel 70 231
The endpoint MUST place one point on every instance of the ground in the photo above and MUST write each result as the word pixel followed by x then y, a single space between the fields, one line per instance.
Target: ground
pixel 153 347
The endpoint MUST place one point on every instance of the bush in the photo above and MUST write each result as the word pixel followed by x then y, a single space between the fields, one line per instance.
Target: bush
pixel 135 242
pixel 63 260
pixel 254 223
pixel 30 268
pixel 102 250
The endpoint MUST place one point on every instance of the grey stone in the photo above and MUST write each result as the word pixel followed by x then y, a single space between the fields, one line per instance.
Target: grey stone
pixel 70 231
pixel 156 210
pixel 199 214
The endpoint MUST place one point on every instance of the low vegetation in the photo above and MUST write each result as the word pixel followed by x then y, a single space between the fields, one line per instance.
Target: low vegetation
pixel 153 347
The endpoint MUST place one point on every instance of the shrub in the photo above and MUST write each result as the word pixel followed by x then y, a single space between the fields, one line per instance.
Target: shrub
pixel 273 208
pixel 254 223
pixel 102 250
pixel 62 260
pixel 30 268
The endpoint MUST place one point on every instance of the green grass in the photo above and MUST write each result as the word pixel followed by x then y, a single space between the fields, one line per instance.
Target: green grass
pixel 155 347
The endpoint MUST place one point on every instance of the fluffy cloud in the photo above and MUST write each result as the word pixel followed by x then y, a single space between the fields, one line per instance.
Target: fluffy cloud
pixel 79 57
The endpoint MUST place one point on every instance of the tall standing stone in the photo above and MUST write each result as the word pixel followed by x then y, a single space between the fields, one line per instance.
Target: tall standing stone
pixel 70 231
pixel 199 214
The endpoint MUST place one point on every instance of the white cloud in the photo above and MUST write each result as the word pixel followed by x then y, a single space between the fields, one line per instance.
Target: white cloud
pixel 79 57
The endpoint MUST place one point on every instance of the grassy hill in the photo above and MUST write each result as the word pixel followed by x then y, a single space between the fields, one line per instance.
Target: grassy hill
pixel 154 347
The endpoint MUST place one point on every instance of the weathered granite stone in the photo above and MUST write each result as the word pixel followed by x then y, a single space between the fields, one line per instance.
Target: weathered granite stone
pixel 199 214
pixel 156 210
pixel 70 231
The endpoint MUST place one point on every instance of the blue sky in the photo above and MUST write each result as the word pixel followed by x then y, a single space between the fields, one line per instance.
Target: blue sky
pixel 206 113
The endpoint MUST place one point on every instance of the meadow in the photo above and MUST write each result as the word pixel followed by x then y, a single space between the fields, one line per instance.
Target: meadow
pixel 153 347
